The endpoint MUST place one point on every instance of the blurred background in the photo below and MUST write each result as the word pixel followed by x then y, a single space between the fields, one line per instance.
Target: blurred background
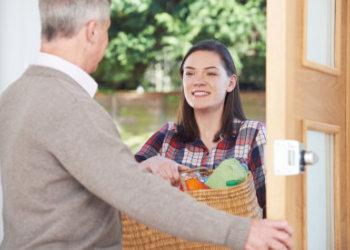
pixel 138 78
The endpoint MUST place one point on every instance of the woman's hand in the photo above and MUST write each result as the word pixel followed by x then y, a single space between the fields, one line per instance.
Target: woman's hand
pixel 165 168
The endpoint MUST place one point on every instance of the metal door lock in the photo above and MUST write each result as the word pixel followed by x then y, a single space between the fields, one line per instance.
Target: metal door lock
pixel 290 157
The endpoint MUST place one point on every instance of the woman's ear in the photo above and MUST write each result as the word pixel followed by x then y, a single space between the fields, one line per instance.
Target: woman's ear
pixel 232 84
pixel 91 29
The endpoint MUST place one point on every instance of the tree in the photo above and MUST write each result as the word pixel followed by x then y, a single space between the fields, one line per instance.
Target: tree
pixel 145 34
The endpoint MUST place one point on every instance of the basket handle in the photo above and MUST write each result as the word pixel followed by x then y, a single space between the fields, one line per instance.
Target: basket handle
pixel 204 169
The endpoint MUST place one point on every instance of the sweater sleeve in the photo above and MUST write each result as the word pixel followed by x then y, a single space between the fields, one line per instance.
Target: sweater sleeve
pixel 89 147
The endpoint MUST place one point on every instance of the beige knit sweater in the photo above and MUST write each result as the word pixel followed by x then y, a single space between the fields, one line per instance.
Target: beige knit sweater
pixel 67 175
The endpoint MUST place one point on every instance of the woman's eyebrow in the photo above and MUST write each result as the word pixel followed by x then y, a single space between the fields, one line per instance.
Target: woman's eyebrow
pixel 209 67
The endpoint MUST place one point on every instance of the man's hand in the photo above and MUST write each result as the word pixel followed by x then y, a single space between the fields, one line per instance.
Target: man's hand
pixel 269 234
pixel 165 168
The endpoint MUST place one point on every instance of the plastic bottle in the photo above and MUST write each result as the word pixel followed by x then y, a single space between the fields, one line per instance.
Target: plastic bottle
pixel 231 183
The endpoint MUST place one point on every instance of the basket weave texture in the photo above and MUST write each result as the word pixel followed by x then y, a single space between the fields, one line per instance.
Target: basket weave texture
pixel 238 200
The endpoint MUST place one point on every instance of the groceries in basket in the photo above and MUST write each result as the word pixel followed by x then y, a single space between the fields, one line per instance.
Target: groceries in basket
pixel 193 179
pixel 194 184
pixel 230 172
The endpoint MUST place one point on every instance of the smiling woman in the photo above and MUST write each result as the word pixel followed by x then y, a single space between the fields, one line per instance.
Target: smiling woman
pixel 206 82
pixel 211 124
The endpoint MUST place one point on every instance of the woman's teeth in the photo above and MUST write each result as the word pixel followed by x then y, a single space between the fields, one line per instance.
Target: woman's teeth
pixel 200 93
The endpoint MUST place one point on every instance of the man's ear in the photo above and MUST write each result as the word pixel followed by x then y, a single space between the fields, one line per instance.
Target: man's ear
pixel 91 29
pixel 232 84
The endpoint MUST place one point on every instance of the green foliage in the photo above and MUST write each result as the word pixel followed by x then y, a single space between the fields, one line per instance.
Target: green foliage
pixel 147 33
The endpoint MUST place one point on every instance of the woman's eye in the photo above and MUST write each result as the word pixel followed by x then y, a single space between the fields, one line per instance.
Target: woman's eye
pixel 189 73
pixel 211 74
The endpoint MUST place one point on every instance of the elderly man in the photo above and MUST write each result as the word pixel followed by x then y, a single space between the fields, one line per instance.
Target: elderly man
pixel 66 173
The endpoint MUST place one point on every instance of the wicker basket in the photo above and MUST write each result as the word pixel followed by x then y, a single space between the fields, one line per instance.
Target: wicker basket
pixel 239 200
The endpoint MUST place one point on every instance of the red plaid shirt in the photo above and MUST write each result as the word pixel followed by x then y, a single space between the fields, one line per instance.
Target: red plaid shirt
pixel 247 146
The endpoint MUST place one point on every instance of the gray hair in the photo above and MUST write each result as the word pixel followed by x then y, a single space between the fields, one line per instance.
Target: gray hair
pixel 64 18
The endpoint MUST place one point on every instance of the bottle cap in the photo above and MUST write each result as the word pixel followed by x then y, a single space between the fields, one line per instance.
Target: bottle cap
pixel 231 183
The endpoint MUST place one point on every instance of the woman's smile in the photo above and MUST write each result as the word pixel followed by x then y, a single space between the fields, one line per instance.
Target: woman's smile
pixel 200 93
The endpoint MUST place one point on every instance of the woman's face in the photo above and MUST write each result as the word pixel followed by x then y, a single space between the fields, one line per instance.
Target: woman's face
pixel 205 81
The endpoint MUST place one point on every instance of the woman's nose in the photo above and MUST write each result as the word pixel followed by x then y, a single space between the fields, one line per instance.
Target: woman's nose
pixel 199 80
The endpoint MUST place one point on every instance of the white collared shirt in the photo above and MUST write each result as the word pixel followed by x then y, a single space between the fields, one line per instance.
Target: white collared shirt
pixel 79 75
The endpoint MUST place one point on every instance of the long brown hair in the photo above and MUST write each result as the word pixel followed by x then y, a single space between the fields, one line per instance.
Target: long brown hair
pixel 187 126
